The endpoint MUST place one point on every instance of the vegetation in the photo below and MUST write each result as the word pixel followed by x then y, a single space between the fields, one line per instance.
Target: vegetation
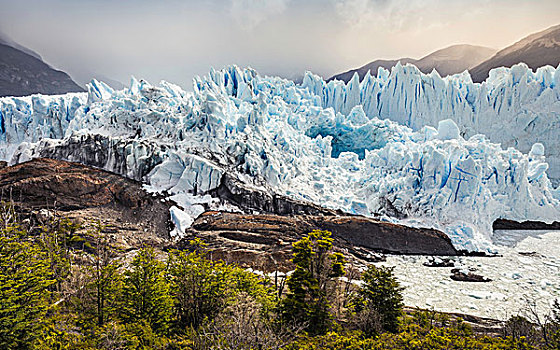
pixel 26 279
pixel 379 303
pixel 309 285
pixel 66 287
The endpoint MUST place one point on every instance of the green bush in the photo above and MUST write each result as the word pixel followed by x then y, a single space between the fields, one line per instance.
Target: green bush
pixel 201 288
pixel 25 281
pixel 379 302
pixel 146 296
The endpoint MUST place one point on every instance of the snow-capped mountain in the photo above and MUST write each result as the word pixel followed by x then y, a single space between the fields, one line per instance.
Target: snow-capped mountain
pixel 319 142
pixel 536 50
pixel 447 61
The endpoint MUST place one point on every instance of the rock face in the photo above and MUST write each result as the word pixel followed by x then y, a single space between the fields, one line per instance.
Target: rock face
pixel 503 224
pixel 87 194
pixel 244 197
pixel 133 217
pixel 267 239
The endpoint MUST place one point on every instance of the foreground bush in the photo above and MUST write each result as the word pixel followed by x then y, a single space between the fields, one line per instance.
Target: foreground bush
pixel 413 337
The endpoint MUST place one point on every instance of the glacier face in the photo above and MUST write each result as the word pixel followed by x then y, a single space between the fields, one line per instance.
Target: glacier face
pixel 514 106
pixel 316 142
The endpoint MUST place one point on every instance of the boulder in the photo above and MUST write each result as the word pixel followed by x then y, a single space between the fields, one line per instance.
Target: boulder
pixel 467 276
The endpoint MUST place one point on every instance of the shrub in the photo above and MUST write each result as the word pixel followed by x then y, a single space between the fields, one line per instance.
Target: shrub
pixel 379 302
pixel 146 296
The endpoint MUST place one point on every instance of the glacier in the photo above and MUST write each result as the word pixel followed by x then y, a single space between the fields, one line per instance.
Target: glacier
pixel 323 143
pixel 514 107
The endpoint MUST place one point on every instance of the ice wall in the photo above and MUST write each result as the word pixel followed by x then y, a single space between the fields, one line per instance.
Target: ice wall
pixel 514 106
pixel 280 137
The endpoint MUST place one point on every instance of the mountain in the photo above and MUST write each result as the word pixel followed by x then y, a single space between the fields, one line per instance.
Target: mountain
pixel 242 141
pixel 5 40
pixel 454 59
pixel 450 60
pixel 22 72
pixel 536 50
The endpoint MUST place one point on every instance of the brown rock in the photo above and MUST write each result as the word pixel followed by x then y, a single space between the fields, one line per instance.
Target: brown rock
pixel 358 231
pixel 131 216
pixel 267 239
pixel 467 276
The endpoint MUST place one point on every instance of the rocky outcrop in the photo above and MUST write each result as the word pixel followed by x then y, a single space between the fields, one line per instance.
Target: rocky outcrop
pixel 250 198
pixel 134 217
pixel 114 154
pixel 84 194
pixel 234 236
pixel 503 224
pixel 386 237
pixel 118 155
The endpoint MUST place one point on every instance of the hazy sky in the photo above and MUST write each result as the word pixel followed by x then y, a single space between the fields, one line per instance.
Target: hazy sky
pixel 175 40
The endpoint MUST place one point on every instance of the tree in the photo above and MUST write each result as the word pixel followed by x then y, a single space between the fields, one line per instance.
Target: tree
pixel 520 328
pixel 379 301
pixel 202 288
pixel 317 266
pixel 146 294
pixel 25 280
pixel 554 326
pixel 240 325
pixel 199 287
pixel 96 300
pixel 55 237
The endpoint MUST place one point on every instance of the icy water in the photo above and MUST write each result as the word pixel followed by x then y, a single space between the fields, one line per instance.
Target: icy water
pixel 527 272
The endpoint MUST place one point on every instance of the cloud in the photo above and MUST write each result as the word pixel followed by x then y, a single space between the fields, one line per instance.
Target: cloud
pixel 397 15
pixel 250 13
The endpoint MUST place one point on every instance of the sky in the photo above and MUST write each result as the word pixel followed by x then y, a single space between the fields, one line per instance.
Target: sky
pixel 175 40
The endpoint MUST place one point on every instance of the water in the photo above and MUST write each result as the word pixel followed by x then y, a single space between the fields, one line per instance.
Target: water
pixel 525 277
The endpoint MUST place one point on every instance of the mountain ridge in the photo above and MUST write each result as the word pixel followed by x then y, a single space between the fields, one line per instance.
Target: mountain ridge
pixel 449 60
pixel 24 73
pixel 536 50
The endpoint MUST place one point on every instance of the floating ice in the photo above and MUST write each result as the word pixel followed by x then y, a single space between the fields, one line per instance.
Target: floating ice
pixel 517 285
